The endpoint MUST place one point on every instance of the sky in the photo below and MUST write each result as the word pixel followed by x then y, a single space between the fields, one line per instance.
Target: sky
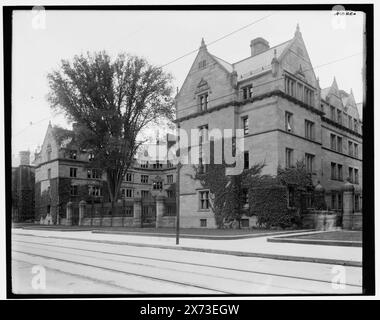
pixel 42 39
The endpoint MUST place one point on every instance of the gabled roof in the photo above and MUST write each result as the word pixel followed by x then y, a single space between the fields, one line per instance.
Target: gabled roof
pixel 223 63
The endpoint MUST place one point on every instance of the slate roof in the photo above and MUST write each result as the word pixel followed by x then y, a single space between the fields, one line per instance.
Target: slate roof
pixel 254 65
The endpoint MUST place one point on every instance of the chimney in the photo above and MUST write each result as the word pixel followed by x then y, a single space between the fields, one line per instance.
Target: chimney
pixel 258 45
pixel 24 158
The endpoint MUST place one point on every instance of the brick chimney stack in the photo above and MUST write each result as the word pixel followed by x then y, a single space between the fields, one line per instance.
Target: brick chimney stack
pixel 258 45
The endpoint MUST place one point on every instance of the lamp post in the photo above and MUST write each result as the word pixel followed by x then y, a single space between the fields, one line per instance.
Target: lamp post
pixel 177 188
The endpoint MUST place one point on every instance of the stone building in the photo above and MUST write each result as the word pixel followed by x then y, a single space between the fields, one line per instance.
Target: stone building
pixel 275 97
pixel 23 189
pixel 64 174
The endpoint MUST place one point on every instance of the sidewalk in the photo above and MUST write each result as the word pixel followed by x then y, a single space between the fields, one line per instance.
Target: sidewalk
pixel 250 247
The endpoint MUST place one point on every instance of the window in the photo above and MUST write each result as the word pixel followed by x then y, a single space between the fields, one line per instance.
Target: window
pixel 332 113
pixel 245 125
pixel 144 194
pixel 157 185
pixel 170 193
pixel 126 192
pixel 73 190
pixel 356 150
pixel 288 121
pixel 247 92
pixel 339 142
pixel 309 159
pixel 94 191
pixel 308 96
pixel 350 122
pixel 203 133
pixel 340 172
pixel 157 165
pixel 355 125
pixel 169 178
pixel 339 116
pixel 49 173
pixel 246 159
pixel 144 178
pixel 203 222
pixel 288 158
pixel 170 211
pixel 73 172
pixel 128 177
pixel 144 165
pixel 340 201
pixel 350 151
pixel 309 130
pixel 333 141
pixel 91 157
pixel 129 211
pixel 203 200
pixel 351 174
pixel 73 154
pixel 356 173
pixel 357 202
pixel 202 64
pixel 203 101
pixel 169 164
pixel 333 171
pixel 290 86
pixel 93 174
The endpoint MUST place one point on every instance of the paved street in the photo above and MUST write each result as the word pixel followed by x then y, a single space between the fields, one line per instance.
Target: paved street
pixel 85 266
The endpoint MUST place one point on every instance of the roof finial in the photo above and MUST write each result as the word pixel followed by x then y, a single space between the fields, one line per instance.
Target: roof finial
pixel 298 32
pixel 203 45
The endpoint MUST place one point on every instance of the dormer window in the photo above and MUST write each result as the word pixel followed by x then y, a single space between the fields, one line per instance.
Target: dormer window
pixel 91 157
pixel 203 101
pixel 247 92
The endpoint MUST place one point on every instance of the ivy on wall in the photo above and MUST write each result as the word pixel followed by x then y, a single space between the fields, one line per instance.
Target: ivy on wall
pixel 276 201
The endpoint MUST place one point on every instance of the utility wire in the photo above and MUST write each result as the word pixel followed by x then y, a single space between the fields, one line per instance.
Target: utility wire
pixel 215 41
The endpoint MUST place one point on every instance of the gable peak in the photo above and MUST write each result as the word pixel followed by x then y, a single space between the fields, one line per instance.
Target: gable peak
pixel 203 44
pixel 297 33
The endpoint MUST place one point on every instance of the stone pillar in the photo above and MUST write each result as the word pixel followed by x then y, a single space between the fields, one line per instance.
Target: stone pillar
pixel 137 212
pixel 348 205
pixel 57 215
pixel 160 207
pixel 69 213
pixel 319 197
pixel 82 211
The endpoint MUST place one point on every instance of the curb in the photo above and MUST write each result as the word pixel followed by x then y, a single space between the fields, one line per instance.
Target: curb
pixel 339 243
pixel 202 237
pixel 227 252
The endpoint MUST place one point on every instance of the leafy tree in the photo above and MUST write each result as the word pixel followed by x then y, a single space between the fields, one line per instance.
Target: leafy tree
pixel 111 101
